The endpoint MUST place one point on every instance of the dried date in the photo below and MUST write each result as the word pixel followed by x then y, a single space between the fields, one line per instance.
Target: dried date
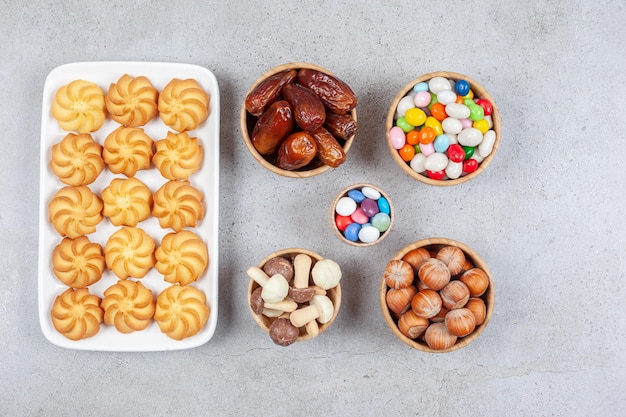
pixel 336 95
pixel 296 151
pixel 329 151
pixel 272 128
pixel 268 91
pixel 342 126
pixel 308 110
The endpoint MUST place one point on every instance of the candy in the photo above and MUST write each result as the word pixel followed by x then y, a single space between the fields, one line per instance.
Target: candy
pixel 369 207
pixel 345 206
pixel 342 222
pixel 359 217
pixel 356 195
pixel 383 205
pixel 443 126
pixel 381 221
pixel 369 234
pixel 352 232
pixel 370 192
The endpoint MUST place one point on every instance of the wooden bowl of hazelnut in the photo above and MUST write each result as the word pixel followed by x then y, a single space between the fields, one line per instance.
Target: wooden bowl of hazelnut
pixel 294 295
pixel 298 120
pixel 437 295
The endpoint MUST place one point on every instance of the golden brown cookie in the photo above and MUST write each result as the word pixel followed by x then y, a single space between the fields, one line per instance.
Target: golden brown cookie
pixel 132 101
pixel 177 156
pixel 126 201
pixel 79 106
pixel 78 262
pixel 177 204
pixel 75 211
pixel 77 159
pixel 127 150
pixel 128 305
pixel 181 311
pixel 76 314
pixel 129 252
pixel 183 104
pixel 182 257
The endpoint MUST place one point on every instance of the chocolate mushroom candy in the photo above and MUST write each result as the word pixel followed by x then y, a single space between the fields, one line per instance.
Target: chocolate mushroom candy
pixel 320 308
pixel 259 306
pixel 326 274
pixel 275 288
pixel 279 265
pixel 300 291
pixel 283 333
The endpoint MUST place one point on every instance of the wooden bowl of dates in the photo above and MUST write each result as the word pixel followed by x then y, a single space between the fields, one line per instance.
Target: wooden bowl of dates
pixel 306 286
pixel 466 142
pixel 299 120
pixel 437 295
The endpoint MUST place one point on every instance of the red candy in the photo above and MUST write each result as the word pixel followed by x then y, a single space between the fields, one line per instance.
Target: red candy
pixel 456 153
pixel 342 222
pixel 470 165
pixel 486 105
pixel 436 175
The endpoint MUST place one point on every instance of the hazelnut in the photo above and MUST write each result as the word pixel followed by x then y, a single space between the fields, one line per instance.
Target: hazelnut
pixel 411 325
pixel 434 274
pixel 398 274
pixel 478 308
pixel 454 295
pixel 426 303
pixel 441 315
pixel 453 257
pixel 438 337
pixel 460 322
pixel 476 280
pixel 399 300
pixel 416 257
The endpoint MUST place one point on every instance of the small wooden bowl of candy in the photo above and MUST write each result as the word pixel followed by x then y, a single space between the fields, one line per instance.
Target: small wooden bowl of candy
pixel 443 128
pixel 437 295
pixel 299 120
pixel 361 215
pixel 294 295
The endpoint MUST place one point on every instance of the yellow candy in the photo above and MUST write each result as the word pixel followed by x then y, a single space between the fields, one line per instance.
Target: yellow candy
pixel 469 95
pixel 434 124
pixel 415 116
pixel 482 125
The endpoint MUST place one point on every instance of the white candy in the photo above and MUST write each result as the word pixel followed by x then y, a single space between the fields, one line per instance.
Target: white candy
pixel 369 192
pixel 486 146
pixel 345 206
pixel 404 104
pixel 454 169
pixel 417 163
pixel 451 125
pixel 438 84
pixel 436 161
pixel 470 136
pixel 446 97
pixel 457 110
pixel 369 234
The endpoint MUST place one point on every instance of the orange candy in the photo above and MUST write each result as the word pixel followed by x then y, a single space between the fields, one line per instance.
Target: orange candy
pixel 427 135
pixel 438 111
pixel 407 152
pixel 412 138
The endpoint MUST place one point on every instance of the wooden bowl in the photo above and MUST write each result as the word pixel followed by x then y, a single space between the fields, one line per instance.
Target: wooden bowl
pixel 489 297
pixel 344 193
pixel 247 122
pixel 334 294
pixel 479 92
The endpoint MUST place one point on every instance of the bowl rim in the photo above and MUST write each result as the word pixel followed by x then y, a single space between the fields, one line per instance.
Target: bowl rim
pixel 489 297
pixel 244 117
pixel 479 91
pixel 334 293
pixel 343 193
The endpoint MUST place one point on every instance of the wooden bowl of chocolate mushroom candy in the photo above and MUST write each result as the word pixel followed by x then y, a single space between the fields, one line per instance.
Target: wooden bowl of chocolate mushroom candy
pixel 437 295
pixel 298 120
pixel 294 295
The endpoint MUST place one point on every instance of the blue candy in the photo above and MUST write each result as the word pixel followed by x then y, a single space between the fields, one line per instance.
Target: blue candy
pixel 442 142
pixel 462 88
pixel 383 205
pixel 352 232
pixel 356 195
pixel 420 87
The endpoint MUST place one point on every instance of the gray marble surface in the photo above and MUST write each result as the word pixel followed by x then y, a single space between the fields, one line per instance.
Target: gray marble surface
pixel 548 215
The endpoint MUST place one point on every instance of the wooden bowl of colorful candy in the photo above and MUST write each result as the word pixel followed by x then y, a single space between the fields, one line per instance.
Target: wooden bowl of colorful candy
pixel 443 128
pixel 437 295
pixel 298 120
pixel 361 215
pixel 294 295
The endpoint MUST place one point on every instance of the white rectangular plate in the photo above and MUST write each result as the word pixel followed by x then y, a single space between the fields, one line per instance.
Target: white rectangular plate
pixel 206 180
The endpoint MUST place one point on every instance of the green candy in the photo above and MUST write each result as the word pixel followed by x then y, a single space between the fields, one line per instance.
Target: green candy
pixel 417 149
pixel 476 112
pixel 433 100
pixel 381 221
pixel 469 151
pixel 404 125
